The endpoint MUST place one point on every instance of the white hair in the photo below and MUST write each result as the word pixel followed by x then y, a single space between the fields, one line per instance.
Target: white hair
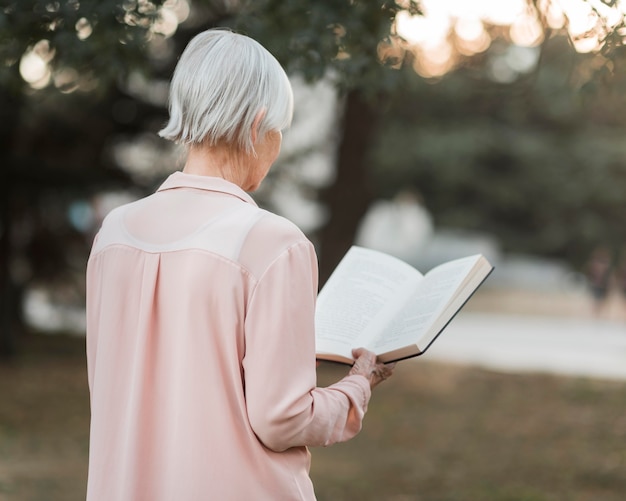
pixel 222 81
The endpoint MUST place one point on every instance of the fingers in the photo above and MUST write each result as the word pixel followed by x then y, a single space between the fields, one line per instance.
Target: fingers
pixel 380 373
pixel 367 365
pixel 358 353
pixel 365 362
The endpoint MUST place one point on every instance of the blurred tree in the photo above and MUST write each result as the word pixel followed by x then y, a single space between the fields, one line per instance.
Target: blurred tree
pixel 65 92
pixel 68 42
pixel 539 162
pixel 70 85
pixel 480 86
pixel 349 42
pixel 70 88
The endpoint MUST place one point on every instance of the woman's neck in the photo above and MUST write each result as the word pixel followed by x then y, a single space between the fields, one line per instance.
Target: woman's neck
pixel 218 161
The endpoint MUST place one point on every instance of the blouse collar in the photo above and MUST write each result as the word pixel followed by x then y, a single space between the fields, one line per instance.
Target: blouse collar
pixel 208 183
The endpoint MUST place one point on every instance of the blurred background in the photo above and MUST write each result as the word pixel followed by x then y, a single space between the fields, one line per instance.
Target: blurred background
pixel 428 129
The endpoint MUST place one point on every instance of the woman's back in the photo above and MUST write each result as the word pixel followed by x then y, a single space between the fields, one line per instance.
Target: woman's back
pixel 167 303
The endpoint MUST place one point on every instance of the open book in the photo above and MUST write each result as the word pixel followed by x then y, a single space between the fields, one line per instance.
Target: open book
pixel 376 301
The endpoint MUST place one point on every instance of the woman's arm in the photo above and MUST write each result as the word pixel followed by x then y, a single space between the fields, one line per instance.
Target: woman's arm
pixel 285 408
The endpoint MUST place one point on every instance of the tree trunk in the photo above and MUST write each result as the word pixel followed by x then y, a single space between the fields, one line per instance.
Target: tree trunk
pixel 7 341
pixel 9 115
pixel 350 195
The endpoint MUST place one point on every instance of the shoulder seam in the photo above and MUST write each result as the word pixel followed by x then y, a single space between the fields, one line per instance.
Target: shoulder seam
pixel 216 255
pixel 286 250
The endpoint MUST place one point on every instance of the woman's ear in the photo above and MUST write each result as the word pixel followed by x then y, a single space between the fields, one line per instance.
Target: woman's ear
pixel 254 133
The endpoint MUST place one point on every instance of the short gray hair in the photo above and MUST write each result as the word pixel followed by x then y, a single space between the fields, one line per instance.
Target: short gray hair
pixel 221 82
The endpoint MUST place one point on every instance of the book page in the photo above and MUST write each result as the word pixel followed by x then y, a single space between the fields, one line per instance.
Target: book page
pixel 412 325
pixel 357 297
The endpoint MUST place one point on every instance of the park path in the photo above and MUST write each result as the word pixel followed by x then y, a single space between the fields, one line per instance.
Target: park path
pixel 531 343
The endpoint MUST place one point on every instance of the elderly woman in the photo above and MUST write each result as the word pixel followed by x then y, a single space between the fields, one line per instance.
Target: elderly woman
pixel 200 309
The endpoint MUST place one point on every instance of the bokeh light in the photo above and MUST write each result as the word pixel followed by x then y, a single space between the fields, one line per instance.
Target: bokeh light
pixel 34 67
pixel 83 28
pixel 457 29
pixel 36 64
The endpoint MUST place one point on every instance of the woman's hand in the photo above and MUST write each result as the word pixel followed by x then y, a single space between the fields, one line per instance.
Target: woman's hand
pixel 367 365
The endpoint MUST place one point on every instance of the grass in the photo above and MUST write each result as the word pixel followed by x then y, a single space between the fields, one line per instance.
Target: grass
pixel 44 421
pixel 441 433
pixel 434 432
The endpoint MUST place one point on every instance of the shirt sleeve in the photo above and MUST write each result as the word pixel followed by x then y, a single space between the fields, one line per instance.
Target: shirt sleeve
pixel 285 408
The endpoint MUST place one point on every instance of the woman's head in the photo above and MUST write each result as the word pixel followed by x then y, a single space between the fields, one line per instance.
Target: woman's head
pixel 222 83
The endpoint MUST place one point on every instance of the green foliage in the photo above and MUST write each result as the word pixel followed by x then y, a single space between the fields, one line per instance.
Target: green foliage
pixel 337 37
pixel 98 39
pixel 536 163
pixel 539 162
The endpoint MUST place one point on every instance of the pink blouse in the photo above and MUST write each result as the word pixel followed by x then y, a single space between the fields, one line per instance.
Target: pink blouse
pixel 201 352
